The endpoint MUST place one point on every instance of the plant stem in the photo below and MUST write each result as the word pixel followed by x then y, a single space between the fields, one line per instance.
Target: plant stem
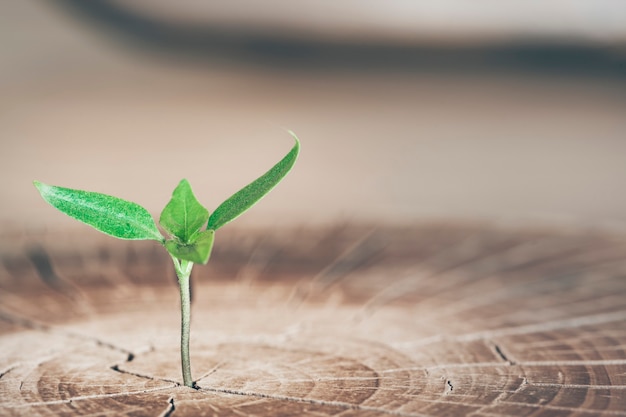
pixel 183 271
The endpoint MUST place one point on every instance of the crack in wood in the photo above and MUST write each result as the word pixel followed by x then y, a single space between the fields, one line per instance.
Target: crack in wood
pixel 338 404
pixel 116 368
pixel 8 369
pixel 449 387
pixel 502 356
pixel 171 407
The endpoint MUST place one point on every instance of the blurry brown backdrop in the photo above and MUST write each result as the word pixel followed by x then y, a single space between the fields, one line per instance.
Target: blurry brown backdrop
pixel 406 111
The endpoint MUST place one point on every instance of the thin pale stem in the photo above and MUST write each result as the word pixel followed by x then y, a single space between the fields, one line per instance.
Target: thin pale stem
pixel 183 271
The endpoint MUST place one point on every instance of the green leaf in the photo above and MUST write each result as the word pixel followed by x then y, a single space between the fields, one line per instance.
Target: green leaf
pixel 198 251
pixel 183 216
pixel 111 215
pixel 248 196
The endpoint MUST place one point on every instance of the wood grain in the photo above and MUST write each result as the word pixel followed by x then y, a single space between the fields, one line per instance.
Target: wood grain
pixel 426 320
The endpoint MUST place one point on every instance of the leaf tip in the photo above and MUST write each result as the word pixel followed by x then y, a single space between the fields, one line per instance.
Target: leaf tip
pixel 40 186
pixel 295 137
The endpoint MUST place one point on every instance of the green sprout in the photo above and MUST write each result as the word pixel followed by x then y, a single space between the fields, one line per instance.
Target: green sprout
pixel 188 240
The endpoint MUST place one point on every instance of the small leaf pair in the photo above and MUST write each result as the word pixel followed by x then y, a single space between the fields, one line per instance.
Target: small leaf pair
pixel 182 218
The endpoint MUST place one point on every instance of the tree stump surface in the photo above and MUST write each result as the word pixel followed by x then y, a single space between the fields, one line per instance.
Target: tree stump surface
pixel 426 320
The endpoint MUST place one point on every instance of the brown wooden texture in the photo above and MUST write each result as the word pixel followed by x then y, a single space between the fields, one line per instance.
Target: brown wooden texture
pixel 428 320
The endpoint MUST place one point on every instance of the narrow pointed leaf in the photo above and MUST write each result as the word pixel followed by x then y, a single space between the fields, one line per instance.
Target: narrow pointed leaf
pixel 198 251
pixel 111 215
pixel 183 216
pixel 248 196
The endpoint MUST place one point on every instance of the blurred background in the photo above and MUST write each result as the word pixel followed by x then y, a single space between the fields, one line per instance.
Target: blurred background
pixel 407 110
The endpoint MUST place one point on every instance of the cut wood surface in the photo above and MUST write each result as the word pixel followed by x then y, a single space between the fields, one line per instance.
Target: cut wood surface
pixel 427 320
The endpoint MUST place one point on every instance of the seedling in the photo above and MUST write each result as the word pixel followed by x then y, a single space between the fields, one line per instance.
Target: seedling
pixel 190 230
